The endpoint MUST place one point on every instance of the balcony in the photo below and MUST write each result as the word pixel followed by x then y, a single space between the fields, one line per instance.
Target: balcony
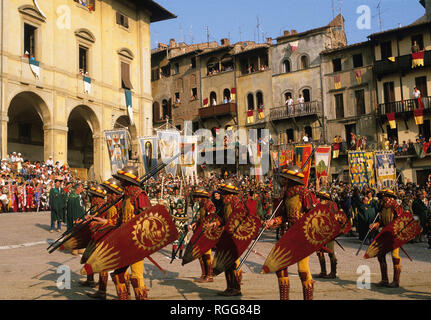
pixel 402 64
pixel 218 110
pixel 403 106
pixel 307 109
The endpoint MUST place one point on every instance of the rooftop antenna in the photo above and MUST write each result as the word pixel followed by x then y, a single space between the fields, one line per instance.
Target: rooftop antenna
pixel 380 15
pixel 240 34
pixel 181 33
pixel 258 29
pixel 333 9
pixel 208 36
pixel 191 35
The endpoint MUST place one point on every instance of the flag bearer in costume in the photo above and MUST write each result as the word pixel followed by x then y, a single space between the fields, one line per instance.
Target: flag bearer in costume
pixel 231 199
pixel 202 208
pixel 298 201
pixel 97 195
pixel 75 208
pixel 181 222
pixel 114 191
pixel 135 200
pixel 389 211
pixel 325 198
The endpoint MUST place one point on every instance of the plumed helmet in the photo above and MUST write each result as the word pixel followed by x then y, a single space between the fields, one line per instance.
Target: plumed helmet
pixel 97 191
pixel 323 194
pixel 388 193
pixel 293 173
pixel 229 188
pixel 113 185
pixel 199 192
pixel 128 174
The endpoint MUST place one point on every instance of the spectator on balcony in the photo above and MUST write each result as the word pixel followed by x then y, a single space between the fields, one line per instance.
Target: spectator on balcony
pixel 305 137
pixel 225 100
pixel 404 148
pixel 416 96
pixel 213 102
pixel 301 103
pixel 289 104
pixel 415 47
pixel 353 139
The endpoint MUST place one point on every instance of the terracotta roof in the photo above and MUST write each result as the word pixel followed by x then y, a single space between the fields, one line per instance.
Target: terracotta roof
pixel 158 13
pixel 417 24
pixel 354 45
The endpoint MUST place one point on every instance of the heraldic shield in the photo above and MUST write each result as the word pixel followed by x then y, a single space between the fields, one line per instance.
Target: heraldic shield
pixel 202 240
pixel 237 235
pixel 135 240
pixel 400 231
pixel 80 239
pixel 309 234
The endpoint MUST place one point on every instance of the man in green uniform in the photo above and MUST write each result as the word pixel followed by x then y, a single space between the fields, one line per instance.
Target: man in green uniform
pixel 75 208
pixel 57 201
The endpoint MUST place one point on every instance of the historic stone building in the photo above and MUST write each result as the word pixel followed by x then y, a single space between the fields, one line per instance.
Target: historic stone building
pixel 296 75
pixel 349 98
pixel 64 71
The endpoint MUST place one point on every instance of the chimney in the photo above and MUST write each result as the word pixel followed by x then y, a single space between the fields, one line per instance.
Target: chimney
pixel 428 9
pixel 162 46
pixel 172 43
pixel 286 33
pixel 294 32
pixel 269 41
pixel 225 42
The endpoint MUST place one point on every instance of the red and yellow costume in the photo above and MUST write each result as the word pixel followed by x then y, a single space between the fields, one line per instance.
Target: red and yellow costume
pixel 29 197
pixel 135 200
pixel 389 211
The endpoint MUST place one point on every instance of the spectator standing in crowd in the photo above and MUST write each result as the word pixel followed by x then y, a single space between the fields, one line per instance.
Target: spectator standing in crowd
pixel 75 208
pixel 420 210
pixel 57 202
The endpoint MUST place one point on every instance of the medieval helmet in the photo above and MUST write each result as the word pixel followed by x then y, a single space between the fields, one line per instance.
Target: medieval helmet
pixel 97 191
pixel 113 185
pixel 229 188
pixel 323 194
pixel 388 193
pixel 293 173
pixel 199 192
pixel 128 174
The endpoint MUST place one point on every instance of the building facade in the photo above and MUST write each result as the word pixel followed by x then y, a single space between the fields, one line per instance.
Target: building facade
pixel 64 71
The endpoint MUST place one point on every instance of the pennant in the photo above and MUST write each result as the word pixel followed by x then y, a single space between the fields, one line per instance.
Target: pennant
pixel 250 116
pixel 357 168
pixel 233 94
pixel 261 114
pixel 294 45
pixel 419 116
pixel 117 149
pixel 385 169
pixel 169 146
pixel 419 150
pixel 302 153
pixel 34 65
pixel 206 102
pixel 421 103
pixel 87 85
pixel 129 105
pixel 418 59
pixel 392 59
pixel 323 165
pixel 337 82
pixel 149 151
pixel 283 158
pixel 391 119
pixel 358 76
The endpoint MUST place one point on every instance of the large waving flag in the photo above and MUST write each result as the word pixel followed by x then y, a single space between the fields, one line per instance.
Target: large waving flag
pixel 418 59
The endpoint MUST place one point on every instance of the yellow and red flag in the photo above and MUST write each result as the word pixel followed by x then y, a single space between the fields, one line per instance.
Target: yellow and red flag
pixel 391 119
pixel 419 116
pixel 261 114
pixel 233 94
pixel 418 59
pixel 337 82
pixel 250 116
pixel 358 76
pixel 206 100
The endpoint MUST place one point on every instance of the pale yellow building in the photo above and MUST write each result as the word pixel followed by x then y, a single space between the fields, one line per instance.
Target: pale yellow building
pixel 51 110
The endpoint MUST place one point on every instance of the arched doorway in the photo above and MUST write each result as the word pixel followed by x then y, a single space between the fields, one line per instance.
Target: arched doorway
pixel 82 124
pixel 27 115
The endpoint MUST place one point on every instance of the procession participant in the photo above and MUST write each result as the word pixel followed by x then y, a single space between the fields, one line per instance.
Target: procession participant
pixel 21 196
pixel 29 190
pixel 57 202
pixel 389 211
pixel 231 199
pixel 75 208
pixel 325 198
pixel 135 199
pixel 202 208
pixel 298 201
pixel 180 218
pixel 97 195
pixel 114 191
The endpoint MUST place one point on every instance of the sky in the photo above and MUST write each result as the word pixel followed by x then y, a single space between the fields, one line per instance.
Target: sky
pixel 240 20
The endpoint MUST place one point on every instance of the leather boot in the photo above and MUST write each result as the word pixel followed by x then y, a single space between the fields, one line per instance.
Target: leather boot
pixel 397 273
pixel 384 271
pixel 233 286
pixel 127 278
pixel 333 273
pixel 101 293
pixel 322 262
pixel 120 286
pixel 283 284
pixel 89 282
pixel 204 271
pixel 209 275
pixel 141 291
pixel 307 286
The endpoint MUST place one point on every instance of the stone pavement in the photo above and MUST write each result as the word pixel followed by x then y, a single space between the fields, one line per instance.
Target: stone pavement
pixel 29 272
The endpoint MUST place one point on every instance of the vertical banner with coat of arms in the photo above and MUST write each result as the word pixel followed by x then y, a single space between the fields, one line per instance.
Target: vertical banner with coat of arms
pixel 361 169
pixel 323 166
pixel 118 149
pixel 149 150
pixel 302 153
pixel 169 145
pixel 189 157
pixel 385 168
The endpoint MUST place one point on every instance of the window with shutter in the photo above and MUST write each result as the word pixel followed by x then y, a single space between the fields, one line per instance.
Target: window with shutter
pixel 125 76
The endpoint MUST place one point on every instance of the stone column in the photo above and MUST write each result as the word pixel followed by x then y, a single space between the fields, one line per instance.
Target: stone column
pixel 55 143
pixel 4 120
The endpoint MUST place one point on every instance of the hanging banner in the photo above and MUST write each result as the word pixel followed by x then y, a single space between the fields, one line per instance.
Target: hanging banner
pixel 358 168
pixel 385 168
pixel 129 106
pixel 34 66
pixel 149 151
pixel 323 166
pixel 169 144
pixel 118 149
pixel 302 153
pixel 87 85
pixel 371 169
pixel 189 159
